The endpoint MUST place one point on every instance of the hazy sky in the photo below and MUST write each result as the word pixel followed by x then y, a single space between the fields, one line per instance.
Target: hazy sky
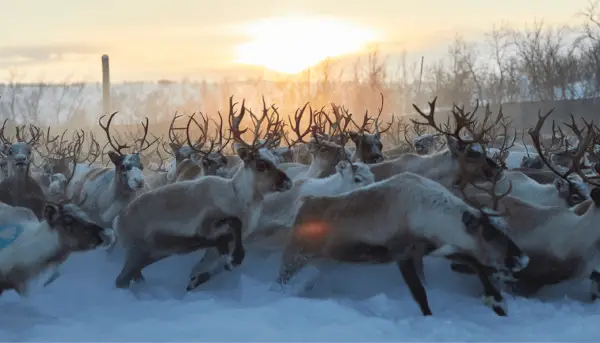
pixel 151 39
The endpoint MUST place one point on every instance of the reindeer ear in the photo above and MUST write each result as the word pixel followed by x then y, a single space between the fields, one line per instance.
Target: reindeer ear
pixel 115 158
pixel 354 136
pixel 454 145
pixel 51 213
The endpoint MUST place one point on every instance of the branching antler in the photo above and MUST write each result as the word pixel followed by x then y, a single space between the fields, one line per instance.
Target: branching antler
pixel 576 157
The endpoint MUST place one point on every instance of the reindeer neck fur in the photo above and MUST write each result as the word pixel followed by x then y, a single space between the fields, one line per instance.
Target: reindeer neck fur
pixel 328 185
pixel 119 188
pixel 320 168
pixel 439 166
pixel 37 247
pixel 242 185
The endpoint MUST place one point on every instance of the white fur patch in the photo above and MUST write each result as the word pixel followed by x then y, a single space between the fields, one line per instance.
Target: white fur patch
pixel 34 244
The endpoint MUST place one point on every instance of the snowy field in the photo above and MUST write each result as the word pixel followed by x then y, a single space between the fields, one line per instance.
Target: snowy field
pixel 350 304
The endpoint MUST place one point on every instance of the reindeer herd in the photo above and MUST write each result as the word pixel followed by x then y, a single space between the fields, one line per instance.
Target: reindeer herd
pixel 446 193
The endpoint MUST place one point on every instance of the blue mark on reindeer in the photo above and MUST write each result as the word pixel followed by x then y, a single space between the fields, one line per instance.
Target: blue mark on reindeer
pixel 9 234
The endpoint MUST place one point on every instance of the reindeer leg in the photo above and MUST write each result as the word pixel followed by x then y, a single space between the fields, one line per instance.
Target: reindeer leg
pixel 595 289
pixel 293 261
pixel 219 259
pixel 492 296
pixel 209 266
pixel 135 261
pixel 236 256
pixel 413 281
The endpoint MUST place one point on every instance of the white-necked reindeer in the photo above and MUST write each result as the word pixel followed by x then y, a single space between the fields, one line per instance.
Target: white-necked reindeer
pixel 208 212
pixel 414 217
pixel 30 246
pixel 107 190
pixel 19 188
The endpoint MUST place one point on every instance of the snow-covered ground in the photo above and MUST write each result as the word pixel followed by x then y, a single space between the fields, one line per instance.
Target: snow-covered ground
pixel 349 304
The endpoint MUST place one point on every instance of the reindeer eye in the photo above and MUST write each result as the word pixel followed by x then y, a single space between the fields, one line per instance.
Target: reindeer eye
pixel 357 179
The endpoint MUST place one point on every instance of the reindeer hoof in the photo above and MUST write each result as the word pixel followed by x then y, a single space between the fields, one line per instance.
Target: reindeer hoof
pixel 497 305
pixel 197 280
pixel 238 256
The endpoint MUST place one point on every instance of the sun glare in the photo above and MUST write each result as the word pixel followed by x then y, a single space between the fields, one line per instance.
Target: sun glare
pixel 291 45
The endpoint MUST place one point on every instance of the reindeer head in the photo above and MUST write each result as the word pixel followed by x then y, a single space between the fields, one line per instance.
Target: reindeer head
pixel 356 174
pixel 213 163
pixel 18 154
pixel 128 167
pixel 260 166
pixel 473 161
pixel 532 162
pixel 76 229
pixel 58 184
pixel 209 157
pixel 424 144
pixel 181 152
pixel 574 191
pixel 495 247
pixel 18 157
pixel 369 148
pixel 324 149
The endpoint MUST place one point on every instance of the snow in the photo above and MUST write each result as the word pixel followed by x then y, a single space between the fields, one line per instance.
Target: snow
pixel 350 303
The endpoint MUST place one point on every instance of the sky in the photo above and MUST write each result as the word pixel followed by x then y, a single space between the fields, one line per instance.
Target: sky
pixel 153 39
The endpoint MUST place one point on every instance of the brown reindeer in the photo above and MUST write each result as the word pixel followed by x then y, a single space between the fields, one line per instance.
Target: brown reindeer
pixel 34 246
pixel 19 188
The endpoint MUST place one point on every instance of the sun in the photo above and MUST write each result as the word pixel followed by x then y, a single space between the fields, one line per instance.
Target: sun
pixel 293 44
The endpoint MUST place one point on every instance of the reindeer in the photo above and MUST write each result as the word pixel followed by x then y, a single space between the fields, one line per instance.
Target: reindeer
pixel 444 166
pixel 324 145
pixel 30 246
pixel 209 161
pixel 108 190
pixel 404 225
pixel 19 188
pixel 369 148
pixel 278 210
pixel 61 158
pixel 207 212
pixel 562 242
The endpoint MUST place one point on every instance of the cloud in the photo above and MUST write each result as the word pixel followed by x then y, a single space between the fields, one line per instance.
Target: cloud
pixel 25 55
